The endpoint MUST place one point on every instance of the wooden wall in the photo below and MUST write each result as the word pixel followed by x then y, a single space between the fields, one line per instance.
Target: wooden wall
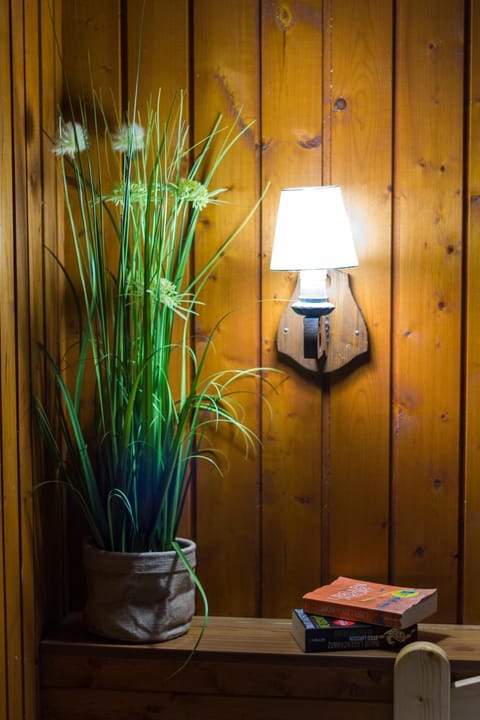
pixel 28 215
pixel 373 473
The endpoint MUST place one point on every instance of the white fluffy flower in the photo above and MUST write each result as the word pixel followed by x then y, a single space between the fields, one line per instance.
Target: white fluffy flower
pixel 72 138
pixel 129 138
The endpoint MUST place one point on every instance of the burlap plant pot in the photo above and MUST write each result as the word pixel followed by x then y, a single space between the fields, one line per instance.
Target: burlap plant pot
pixel 139 597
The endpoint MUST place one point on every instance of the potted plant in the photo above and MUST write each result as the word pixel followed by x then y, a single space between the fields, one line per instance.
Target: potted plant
pixel 133 196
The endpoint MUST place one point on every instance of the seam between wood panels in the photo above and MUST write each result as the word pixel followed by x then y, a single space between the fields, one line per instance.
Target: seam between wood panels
pixel 393 236
pixel 10 677
pixel 190 9
pixel 261 424
pixel 325 469
pixel 464 295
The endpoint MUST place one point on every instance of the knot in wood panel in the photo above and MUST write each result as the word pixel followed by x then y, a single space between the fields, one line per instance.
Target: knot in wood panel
pixel 284 17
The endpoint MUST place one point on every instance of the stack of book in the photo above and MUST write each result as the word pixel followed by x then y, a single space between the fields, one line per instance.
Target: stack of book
pixel 353 614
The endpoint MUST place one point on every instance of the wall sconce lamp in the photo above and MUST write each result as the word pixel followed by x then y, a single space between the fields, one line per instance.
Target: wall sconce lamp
pixel 313 236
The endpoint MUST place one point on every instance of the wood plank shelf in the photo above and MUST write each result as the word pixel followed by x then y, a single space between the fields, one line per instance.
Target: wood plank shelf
pixel 244 667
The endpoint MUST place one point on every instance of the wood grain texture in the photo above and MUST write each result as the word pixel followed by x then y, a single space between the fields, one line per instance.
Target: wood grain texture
pixel 21 232
pixel 225 63
pixel 422 683
pixel 342 483
pixel 164 73
pixel 427 296
pixel 12 166
pixel 360 475
pixel 250 638
pixel 26 58
pixel 47 318
pixel 162 30
pixel 90 58
pixel 6 331
pixel 244 665
pixel 471 589
pixel 342 336
pixel 292 130
pixel 361 120
pixel 94 705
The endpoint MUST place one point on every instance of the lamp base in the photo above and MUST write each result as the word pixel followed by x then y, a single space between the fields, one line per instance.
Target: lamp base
pixel 342 334
pixel 311 308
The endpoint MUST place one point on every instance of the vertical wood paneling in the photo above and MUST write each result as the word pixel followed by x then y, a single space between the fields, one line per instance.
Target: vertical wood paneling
pixel 315 501
pixel 46 313
pixel 225 72
pixel 292 113
pixel 6 328
pixel 320 77
pixel 360 100
pixel 28 196
pixel 91 59
pixel 8 368
pixel 164 39
pixel 21 230
pixel 163 32
pixel 471 590
pixel 90 56
pixel 427 295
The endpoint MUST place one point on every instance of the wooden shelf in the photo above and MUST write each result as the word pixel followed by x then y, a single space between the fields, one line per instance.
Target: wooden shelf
pixel 244 667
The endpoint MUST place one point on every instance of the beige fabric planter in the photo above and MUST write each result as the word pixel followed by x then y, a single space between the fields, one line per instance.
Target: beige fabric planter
pixel 139 597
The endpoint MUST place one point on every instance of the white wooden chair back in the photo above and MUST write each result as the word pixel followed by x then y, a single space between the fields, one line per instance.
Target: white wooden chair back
pixel 423 689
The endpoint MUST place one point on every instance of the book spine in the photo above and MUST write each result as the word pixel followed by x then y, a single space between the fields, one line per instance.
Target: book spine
pixel 364 641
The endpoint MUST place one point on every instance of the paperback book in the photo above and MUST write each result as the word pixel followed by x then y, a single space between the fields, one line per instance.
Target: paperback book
pixel 318 633
pixel 373 603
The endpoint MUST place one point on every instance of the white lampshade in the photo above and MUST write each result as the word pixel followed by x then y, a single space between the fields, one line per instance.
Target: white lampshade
pixel 312 231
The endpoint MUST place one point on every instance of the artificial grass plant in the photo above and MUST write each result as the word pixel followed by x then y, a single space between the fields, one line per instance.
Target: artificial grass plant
pixel 133 197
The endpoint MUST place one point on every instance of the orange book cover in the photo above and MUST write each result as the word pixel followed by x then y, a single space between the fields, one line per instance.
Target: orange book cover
pixel 370 602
